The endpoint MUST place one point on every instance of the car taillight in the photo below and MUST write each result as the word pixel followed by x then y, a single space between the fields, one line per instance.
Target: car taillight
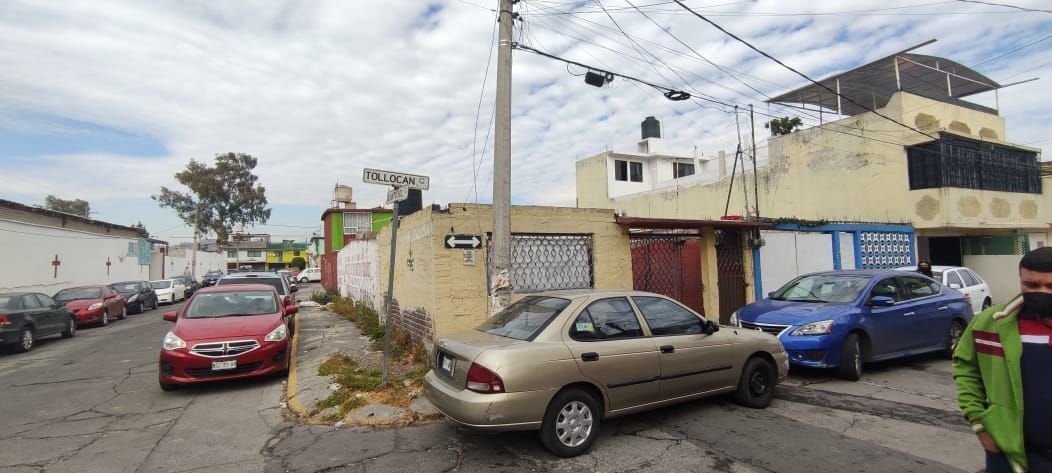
pixel 4 321
pixel 482 380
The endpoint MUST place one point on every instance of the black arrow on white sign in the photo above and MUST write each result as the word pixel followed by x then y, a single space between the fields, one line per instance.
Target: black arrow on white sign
pixel 463 241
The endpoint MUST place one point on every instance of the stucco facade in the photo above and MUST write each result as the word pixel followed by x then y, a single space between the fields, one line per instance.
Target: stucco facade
pixel 441 290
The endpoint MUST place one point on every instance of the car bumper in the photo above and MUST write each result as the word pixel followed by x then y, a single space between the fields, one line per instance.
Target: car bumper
pixel 180 367
pixel 504 411
pixel 10 335
pixel 88 316
pixel 165 298
pixel 819 351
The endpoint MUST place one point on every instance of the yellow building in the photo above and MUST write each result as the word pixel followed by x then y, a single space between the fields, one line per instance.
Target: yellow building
pixel 281 255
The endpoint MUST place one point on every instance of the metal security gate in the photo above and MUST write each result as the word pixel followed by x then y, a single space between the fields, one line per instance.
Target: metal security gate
pixel 670 266
pixel 730 272
pixel 546 262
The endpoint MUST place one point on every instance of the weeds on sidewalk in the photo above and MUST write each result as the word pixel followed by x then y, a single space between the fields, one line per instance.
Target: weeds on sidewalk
pixel 358 386
pixel 368 321
pixel 325 297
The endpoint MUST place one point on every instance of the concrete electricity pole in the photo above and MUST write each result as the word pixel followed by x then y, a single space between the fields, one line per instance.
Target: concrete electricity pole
pixel 197 224
pixel 500 259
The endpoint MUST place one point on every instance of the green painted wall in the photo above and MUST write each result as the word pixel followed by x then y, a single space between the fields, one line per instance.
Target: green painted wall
pixel 337 231
pixel 380 220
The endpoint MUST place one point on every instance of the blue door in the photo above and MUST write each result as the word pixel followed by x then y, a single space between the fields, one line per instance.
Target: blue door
pixel 931 314
pixel 889 327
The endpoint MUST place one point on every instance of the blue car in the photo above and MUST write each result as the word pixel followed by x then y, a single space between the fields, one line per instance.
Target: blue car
pixel 842 319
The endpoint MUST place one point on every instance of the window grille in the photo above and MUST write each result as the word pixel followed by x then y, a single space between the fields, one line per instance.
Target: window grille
pixel 354 222
pixel 953 161
pixel 547 262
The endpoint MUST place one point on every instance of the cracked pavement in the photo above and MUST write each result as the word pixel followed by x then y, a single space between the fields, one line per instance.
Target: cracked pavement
pixel 92 404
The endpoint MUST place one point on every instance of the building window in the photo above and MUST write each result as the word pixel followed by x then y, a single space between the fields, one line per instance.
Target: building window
pixel 953 161
pixel 355 222
pixel 546 262
pixel 637 172
pixel 682 170
pixel 276 254
pixel 296 253
pixel 620 170
pixel 231 254
pixel 255 254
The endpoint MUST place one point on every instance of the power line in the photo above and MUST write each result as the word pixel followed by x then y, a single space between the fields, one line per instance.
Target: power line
pixel 478 111
pixel 801 74
pixel 1005 6
pixel 999 56
pixel 669 92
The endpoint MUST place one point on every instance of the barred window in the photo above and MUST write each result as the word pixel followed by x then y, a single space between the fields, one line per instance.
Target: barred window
pixel 355 222
pixel 954 161
pixel 546 262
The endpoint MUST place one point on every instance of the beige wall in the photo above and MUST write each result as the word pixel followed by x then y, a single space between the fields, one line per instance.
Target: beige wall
pixel 454 294
pixel 821 174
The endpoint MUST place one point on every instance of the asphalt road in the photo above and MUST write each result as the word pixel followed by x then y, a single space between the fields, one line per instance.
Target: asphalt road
pixel 92 404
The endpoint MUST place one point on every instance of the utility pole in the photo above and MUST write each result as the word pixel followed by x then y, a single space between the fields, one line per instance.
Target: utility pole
pixel 193 260
pixel 755 175
pixel 500 259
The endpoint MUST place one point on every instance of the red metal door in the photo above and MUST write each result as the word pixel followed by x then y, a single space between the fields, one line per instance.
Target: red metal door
pixel 670 266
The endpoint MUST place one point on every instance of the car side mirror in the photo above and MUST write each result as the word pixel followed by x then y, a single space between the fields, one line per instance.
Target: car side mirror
pixel 170 316
pixel 881 301
pixel 771 294
pixel 291 310
pixel 955 286
pixel 709 327
pixel 294 289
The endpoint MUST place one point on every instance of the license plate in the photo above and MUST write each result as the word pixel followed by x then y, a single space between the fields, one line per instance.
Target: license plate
pixel 447 364
pixel 224 365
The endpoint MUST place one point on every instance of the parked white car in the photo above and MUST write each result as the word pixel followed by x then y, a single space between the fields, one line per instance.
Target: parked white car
pixel 169 291
pixel 964 280
pixel 309 275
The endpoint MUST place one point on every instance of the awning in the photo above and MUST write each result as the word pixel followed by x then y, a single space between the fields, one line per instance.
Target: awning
pixel 686 224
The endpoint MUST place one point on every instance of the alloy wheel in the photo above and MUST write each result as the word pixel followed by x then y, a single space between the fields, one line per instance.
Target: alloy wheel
pixel 105 318
pixel 858 359
pixel 574 424
pixel 72 327
pixel 27 340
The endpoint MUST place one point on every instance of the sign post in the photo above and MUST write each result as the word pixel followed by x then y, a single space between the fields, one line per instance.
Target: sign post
pixel 401 183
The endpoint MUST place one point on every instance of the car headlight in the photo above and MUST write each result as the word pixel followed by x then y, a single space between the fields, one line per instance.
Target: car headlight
pixel 95 306
pixel 278 334
pixel 133 298
pixel 172 342
pixel 815 328
pixel 734 319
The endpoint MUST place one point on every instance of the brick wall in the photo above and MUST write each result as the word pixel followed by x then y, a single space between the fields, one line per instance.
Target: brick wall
pixel 414 320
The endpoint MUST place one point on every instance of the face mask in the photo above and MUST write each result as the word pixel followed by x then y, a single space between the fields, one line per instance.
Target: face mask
pixel 1036 304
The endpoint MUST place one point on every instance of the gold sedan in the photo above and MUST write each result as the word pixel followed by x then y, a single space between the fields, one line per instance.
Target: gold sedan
pixel 562 361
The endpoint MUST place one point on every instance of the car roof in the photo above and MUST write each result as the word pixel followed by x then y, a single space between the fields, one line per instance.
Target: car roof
pixel 12 294
pixel 578 293
pixel 938 268
pixel 89 286
pixel 868 273
pixel 126 282
pixel 237 287
pixel 254 274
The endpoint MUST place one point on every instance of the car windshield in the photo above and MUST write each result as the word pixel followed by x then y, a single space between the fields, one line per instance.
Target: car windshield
pixel 231 304
pixel 161 284
pixel 827 288
pixel 525 318
pixel 273 281
pixel 79 293
pixel 126 287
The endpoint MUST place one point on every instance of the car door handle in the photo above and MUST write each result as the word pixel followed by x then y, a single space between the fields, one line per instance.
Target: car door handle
pixel 590 356
pixel 944 307
pixel 668 349
pixel 909 314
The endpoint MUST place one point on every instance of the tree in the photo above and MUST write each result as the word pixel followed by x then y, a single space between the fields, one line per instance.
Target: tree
pixel 784 125
pixel 298 262
pixel 220 196
pixel 75 207
pixel 142 229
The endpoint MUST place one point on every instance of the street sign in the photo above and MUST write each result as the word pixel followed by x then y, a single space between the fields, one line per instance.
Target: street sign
pixel 397 179
pixel 468 242
pixel 397 194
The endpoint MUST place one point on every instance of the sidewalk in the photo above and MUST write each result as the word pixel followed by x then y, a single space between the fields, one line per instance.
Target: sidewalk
pixel 319 334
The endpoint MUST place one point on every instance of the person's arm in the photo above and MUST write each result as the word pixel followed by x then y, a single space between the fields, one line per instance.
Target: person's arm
pixel 971 394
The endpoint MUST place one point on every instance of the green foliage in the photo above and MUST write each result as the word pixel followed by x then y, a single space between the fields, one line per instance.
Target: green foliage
pixel 321 297
pixel 75 206
pixel 298 262
pixel 224 194
pixel 784 125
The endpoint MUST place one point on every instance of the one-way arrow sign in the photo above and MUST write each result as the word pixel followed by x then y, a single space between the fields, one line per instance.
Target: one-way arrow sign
pixel 463 241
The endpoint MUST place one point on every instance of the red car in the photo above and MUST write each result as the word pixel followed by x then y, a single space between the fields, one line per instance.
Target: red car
pixel 227 332
pixel 93 304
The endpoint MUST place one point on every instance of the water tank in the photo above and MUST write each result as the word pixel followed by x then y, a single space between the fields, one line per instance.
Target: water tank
pixel 651 128
pixel 412 203
pixel 342 194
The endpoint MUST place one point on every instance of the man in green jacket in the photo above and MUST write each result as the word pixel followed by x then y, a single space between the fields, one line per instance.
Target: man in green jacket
pixel 1002 368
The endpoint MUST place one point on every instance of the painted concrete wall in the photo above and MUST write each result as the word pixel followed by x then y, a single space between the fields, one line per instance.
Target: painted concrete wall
pixel 82 255
pixel 819 174
pixel 178 263
pixel 356 272
pixel 433 280
pixel 1001 273
pixel 790 254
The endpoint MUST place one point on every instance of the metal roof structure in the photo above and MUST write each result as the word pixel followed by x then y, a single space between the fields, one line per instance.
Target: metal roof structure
pixel 870 86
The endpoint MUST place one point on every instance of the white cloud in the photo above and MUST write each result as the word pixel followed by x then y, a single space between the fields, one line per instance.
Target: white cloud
pixel 318 90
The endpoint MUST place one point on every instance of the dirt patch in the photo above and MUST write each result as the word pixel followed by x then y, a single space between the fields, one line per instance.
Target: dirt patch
pixel 356 387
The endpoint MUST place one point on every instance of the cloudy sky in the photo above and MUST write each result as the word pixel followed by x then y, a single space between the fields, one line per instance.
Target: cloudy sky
pixel 105 100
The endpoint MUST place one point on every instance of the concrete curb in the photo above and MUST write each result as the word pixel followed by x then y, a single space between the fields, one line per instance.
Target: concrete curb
pixel 290 387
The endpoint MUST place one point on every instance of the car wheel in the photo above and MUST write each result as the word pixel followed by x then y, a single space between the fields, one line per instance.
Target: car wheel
pixel 25 340
pixel 124 313
pixel 155 304
pixel 953 335
pixel 303 280
pixel 571 424
pixel 756 385
pixel 987 303
pixel 851 359
pixel 105 319
pixel 167 387
pixel 71 329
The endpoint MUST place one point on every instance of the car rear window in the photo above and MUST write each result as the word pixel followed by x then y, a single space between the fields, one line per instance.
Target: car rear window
pixel 231 304
pixel 524 319
pixel 275 282
pixel 161 284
